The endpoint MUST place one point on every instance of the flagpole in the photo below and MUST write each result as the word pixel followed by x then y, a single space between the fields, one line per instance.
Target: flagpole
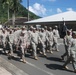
pixel 64 25
pixel 63 20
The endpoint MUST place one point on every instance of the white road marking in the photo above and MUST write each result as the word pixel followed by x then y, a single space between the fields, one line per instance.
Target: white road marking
pixel 18 71
pixel 3 71
pixel 11 67
pixel 49 73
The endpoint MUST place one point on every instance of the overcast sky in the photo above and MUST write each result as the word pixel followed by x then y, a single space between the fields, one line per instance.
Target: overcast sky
pixel 45 8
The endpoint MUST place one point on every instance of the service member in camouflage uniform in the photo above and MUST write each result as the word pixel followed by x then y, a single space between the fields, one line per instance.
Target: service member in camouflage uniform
pixel 22 41
pixel 3 40
pixel 67 44
pixel 34 42
pixel 72 56
pixel 50 39
pixel 42 41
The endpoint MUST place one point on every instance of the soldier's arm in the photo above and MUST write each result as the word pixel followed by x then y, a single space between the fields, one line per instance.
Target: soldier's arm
pixel 65 40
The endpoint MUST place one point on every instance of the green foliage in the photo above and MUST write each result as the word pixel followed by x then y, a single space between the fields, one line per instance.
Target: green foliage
pixel 22 12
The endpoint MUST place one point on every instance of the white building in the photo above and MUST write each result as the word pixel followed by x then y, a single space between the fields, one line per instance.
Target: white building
pixel 69 17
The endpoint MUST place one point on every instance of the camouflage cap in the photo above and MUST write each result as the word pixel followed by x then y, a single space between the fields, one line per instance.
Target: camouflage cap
pixel 56 26
pixel 45 27
pixel 34 28
pixel 42 28
pixel 50 27
pixel 68 31
pixel 23 27
pixel 74 32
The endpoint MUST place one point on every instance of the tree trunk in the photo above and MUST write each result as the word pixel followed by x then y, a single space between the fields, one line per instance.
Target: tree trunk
pixel 8 14
pixel 13 18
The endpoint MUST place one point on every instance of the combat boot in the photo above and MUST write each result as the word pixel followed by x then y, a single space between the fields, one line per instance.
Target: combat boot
pixel 65 67
pixel 51 52
pixel 36 58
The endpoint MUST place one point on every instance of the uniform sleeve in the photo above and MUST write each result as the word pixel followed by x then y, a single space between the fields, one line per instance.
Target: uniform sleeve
pixel 65 40
pixel 39 39
pixel 47 37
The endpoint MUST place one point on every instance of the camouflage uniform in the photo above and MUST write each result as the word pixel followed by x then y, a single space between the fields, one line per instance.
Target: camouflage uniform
pixel 3 40
pixel 42 40
pixel 67 44
pixel 72 56
pixel 34 42
pixel 50 39
pixel 22 41
pixel 10 39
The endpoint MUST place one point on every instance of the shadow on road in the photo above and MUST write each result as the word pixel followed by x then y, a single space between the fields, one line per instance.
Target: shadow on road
pixel 54 59
pixel 56 67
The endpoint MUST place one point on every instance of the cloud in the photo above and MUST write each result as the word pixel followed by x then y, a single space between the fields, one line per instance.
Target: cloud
pixel 59 10
pixel 69 9
pixel 38 9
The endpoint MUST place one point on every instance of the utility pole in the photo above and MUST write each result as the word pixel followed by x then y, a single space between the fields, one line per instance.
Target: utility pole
pixel 28 9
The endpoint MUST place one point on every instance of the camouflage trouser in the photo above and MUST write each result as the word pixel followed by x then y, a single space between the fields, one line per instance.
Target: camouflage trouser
pixel 55 45
pixel 46 44
pixel 4 47
pixel 34 46
pixel 72 58
pixel 67 51
pixel 50 44
pixel 42 47
pixel 22 52
pixel 10 48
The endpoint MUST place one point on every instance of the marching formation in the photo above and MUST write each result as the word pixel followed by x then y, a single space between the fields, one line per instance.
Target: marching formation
pixel 37 40
pixel 23 40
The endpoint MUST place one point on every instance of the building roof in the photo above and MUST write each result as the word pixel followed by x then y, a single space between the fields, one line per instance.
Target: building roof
pixel 66 16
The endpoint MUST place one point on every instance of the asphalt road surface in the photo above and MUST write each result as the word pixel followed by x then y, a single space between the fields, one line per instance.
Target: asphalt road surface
pixel 50 65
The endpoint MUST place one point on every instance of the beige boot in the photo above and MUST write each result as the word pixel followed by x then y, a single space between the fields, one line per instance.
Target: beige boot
pixel 65 67
pixel 24 61
pixel 45 55
pixel 36 58
pixel 48 51
pixel 51 52
pixel 57 50
pixel 21 60
pixel 41 52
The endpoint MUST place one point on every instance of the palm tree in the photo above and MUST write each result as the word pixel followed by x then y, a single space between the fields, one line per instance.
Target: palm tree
pixel 14 6
pixel 28 9
pixel 6 3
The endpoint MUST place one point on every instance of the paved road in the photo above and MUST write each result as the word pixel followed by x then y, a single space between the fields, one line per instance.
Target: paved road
pixel 52 65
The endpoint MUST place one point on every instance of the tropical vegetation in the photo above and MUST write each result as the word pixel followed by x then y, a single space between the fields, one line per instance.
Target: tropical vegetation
pixel 13 8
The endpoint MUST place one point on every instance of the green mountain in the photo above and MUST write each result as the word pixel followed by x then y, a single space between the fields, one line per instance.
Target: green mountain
pixel 22 12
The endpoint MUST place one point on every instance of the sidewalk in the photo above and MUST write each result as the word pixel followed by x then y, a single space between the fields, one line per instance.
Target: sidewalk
pixel 7 68
pixel 3 71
